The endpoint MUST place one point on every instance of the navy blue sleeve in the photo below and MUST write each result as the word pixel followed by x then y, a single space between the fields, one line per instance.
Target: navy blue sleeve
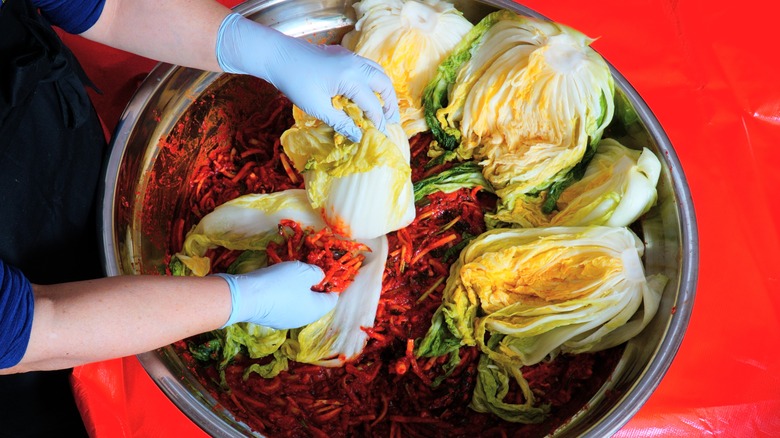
pixel 72 16
pixel 16 315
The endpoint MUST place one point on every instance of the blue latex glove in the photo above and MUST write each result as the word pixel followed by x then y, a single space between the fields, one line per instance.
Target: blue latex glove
pixel 309 75
pixel 278 296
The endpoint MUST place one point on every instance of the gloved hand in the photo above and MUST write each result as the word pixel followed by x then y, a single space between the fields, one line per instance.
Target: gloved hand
pixel 278 296
pixel 309 75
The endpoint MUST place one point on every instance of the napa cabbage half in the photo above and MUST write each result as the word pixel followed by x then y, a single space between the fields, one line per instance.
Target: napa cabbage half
pixel 363 190
pixel 619 185
pixel 525 295
pixel 249 223
pixel 409 39
pixel 527 98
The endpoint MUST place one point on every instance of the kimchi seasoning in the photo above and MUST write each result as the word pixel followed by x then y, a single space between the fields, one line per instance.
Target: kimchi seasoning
pixel 339 258
pixel 386 391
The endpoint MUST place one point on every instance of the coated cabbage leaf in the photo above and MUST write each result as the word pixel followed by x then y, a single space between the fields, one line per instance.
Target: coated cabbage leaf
pixel 363 190
pixel 249 223
pixel 258 341
pixel 462 175
pixel 409 39
pixel 339 336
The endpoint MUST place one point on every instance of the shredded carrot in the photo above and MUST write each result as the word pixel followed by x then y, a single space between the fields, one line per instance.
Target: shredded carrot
pixel 340 259
pixel 249 152
pixel 431 289
pixel 243 172
pixel 289 169
pixel 425 215
pixel 406 419
pixel 382 413
pixel 436 244
pixel 449 225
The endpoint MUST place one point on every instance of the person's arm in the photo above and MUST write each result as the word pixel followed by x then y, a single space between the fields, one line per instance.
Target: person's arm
pixel 181 32
pixel 204 34
pixel 87 321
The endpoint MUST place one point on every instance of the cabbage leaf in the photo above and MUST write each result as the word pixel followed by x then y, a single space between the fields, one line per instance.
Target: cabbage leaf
pixel 249 223
pixel 527 98
pixel 526 295
pixel 619 185
pixel 409 39
pixel 339 336
pixel 462 175
pixel 362 190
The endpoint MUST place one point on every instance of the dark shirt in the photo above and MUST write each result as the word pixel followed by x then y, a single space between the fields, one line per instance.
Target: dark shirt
pixel 51 150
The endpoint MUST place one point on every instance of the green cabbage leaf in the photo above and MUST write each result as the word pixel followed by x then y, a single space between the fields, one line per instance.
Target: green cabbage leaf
pixel 462 175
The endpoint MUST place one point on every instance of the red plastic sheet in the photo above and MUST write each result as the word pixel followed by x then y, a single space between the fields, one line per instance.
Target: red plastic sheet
pixel 707 71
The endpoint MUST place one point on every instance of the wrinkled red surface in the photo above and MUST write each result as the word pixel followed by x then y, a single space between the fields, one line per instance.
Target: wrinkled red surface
pixel 707 71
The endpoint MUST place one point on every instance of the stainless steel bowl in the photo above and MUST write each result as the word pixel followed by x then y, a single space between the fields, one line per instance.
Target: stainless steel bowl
pixel 142 183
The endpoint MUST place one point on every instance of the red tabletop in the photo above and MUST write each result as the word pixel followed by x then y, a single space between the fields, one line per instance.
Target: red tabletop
pixel 707 71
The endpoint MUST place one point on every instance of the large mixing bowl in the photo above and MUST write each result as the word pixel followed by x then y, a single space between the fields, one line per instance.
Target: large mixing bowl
pixel 145 179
